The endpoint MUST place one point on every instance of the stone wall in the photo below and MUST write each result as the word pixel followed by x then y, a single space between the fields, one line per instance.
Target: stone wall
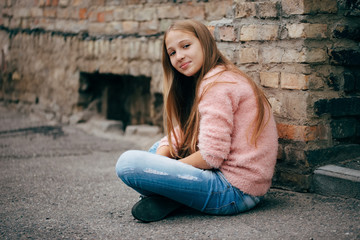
pixel 304 53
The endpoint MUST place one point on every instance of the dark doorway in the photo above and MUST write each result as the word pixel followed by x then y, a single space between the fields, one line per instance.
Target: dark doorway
pixel 117 97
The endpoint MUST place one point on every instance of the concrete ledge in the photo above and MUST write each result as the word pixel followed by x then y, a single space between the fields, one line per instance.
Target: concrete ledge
pixel 337 181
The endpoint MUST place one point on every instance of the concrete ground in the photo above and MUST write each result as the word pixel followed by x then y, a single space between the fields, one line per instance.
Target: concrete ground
pixel 59 182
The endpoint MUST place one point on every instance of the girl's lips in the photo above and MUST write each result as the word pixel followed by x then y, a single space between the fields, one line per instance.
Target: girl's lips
pixel 184 65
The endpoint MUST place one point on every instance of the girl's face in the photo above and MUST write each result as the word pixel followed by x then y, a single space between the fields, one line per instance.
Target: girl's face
pixel 185 52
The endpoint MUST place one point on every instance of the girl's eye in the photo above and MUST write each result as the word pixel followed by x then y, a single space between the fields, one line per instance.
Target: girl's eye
pixel 172 53
pixel 186 45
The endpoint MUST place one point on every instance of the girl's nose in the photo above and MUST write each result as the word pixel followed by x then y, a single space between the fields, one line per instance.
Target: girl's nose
pixel 179 55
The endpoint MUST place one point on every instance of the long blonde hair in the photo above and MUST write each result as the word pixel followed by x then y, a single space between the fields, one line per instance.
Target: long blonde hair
pixel 181 93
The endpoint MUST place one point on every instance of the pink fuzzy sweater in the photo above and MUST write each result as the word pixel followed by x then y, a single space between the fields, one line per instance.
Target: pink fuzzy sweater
pixel 227 111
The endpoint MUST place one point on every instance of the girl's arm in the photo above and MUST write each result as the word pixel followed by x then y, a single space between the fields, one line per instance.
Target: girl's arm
pixel 196 160
pixel 164 151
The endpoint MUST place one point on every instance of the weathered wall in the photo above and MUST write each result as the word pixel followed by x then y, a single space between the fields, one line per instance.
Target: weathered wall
pixel 305 53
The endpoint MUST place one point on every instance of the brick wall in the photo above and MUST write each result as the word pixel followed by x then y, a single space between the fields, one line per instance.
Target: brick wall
pixel 304 53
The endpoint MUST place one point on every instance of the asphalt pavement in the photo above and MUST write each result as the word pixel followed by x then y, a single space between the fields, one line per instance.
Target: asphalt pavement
pixel 59 182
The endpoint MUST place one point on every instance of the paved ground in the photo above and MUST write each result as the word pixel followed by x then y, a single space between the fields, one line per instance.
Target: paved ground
pixel 58 182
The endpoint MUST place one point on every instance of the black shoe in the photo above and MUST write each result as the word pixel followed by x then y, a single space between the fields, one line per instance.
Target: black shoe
pixel 154 208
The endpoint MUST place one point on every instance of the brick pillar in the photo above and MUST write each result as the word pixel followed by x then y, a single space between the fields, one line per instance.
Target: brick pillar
pixel 308 67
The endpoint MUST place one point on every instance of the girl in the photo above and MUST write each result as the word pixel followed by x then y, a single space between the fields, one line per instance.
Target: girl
pixel 220 150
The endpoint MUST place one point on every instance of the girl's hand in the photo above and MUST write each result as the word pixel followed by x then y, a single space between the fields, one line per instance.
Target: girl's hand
pixel 196 160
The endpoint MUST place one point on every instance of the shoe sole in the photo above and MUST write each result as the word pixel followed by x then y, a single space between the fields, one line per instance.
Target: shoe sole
pixel 154 208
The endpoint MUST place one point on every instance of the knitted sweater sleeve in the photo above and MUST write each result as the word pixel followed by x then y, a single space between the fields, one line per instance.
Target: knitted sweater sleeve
pixel 216 108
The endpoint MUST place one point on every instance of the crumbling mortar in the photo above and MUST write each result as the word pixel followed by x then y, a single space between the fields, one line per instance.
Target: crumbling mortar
pixel 82 35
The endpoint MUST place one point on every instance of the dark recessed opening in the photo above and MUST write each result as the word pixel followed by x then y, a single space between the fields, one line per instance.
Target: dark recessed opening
pixel 117 97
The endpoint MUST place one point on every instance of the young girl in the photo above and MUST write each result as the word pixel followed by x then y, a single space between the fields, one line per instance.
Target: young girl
pixel 220 150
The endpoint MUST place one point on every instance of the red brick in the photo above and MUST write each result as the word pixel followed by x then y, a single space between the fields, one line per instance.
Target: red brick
pixel 55 3
pixel 100 17
pixel 83 13
pixel 301 133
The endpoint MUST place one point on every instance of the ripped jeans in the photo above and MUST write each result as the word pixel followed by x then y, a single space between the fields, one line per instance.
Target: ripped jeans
pixel 205 190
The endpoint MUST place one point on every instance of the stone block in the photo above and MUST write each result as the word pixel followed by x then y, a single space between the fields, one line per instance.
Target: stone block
pixel 351 81
pixel 142 130
pixel 295 156
pixel 130 27
pixel 22 13
pixel 296 7
pixel 315 55
pixel 36 12
pixel 63 3
pixel 227 50
pixel 293 180
pixel 292 7
pixel 124 14
pixel 154 49
pixel 145 69
pixel 217 9
pixel 157 78
pixel 267 10
pixel 96 28
pixel 62 13
pixel 259 32
pixel 16 23
pixel 134 68
pixel 294 81
pixel 343 128
pixel 170 11
pixel 295 104
pixel 324 6
pixel 249 55
pixel 227 33
pixel 345 57
pixel 276 106
pixel 272 55
pixel 333 180
pixel 145 14
pixel 149 27
pixel 335 154
pixel 49 12
pixel 164 24
pixel 348 32
pixel 307 30
pixel 245 10
pixel 293 56
pixel 133 48
pixel 192 12
pixel 316 82
pixel 270 79
pixel 105 125
pixel 337 107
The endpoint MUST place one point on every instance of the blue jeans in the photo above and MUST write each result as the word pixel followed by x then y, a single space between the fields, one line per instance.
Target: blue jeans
pixel 205 190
